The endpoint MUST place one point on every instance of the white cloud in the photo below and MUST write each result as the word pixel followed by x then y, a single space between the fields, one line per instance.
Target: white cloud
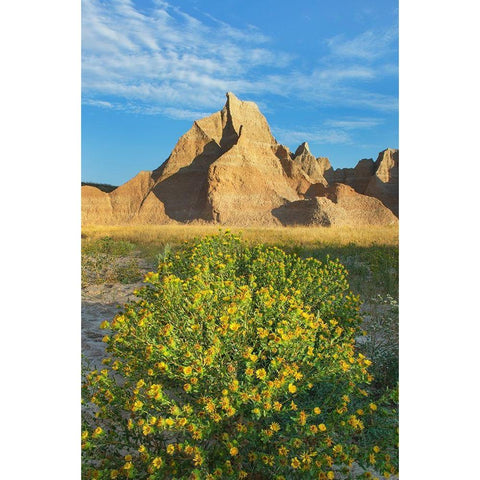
pixel 166 61
pixel 333 131
pixel 369 45
pixel 353 124
pixel 98 103
pixel 317 135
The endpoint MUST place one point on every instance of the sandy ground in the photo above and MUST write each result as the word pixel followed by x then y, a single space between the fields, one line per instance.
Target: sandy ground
pixel 99 303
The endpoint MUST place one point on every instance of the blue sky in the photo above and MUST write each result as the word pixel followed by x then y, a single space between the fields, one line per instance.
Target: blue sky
pixel 321 71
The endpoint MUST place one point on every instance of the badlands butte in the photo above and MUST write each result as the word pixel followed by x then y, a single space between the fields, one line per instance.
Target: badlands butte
pixel 229 169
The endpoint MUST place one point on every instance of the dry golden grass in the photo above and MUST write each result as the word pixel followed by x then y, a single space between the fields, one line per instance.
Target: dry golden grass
pixel 152 235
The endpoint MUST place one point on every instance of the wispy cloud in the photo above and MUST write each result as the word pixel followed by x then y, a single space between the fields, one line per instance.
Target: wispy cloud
pixel 330 132
pixel 353 124
pixel 315 135
pixel 133 107
pixel 98 103
pixel 369 45
pixel 166 61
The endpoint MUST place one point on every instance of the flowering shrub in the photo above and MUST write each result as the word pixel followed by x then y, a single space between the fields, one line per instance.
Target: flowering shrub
pixel 236 362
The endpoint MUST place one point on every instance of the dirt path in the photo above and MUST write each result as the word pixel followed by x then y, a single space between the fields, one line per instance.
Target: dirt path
pixel 99 303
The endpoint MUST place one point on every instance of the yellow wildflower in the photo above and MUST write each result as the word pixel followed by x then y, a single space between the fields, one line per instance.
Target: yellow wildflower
pixel 292 388
pixel 162 366
pixel 295 462
pixel 297 443
pixel 373 407
pixel 322 427
pixel 345 366
pixel 337 449
pixel 181 422
pixel 157 462
pixel 261 373
pixel 283 451
pixel 303 418
pixel 233 451
pixel 275 427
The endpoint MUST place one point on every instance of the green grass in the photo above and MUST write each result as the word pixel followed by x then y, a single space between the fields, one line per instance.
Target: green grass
pixel 370 254
pixel 373 269
pixel 106 260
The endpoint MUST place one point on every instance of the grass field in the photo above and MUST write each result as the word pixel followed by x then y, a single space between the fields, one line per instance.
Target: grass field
pixel 369 253
pixel 158 235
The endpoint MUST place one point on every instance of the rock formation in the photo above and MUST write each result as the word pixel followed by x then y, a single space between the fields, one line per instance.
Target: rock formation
pixel 229 169
pixel 384 184
pixel 309 164
pixel 337 204
pixel 377 179
pixel 96 206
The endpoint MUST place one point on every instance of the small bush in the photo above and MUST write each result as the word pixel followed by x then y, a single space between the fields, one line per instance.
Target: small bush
pixel 108 246
pixel 107 260
pixel 236 362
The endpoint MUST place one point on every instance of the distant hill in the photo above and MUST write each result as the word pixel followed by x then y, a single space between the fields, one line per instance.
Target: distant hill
pixel 229 169
pixel 104 187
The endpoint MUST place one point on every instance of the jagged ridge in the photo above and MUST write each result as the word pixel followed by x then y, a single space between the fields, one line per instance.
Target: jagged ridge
pixel 228 168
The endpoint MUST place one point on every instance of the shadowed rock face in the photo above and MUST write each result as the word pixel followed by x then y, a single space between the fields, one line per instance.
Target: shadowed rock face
pixel 309 164
pixel 337 204
pixel 358 177
pixel 228 168
pixel 377 179
pixel 384 184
